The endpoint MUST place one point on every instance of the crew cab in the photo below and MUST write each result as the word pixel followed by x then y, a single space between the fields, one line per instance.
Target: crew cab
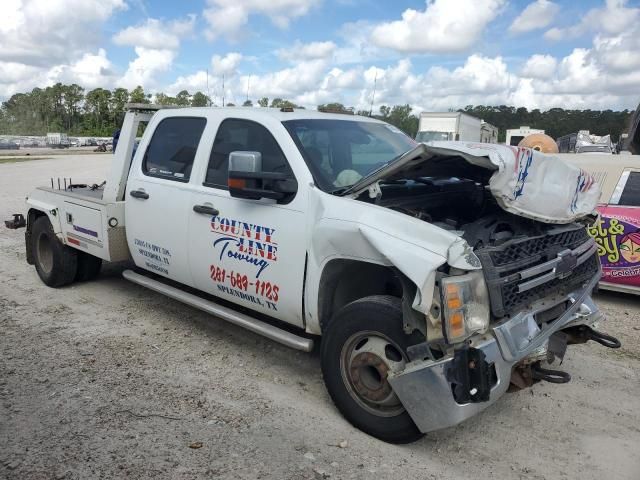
pixel 435 275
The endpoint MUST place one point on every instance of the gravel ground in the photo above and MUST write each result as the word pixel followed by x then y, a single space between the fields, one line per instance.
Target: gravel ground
pixel 108 380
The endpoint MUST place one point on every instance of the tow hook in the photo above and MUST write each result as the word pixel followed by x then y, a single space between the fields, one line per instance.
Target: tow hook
pixel 584 333
pixel 526 374
pixel 17 222
pixel 548 375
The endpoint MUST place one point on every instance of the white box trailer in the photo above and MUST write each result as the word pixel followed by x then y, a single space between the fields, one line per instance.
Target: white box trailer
pixel 434 126
pixel 515 135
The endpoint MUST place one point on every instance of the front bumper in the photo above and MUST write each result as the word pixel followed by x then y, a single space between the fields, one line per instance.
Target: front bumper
pixel 426 392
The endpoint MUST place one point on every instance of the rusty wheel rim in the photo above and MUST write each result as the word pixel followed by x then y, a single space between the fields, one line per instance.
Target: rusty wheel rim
pixel 366 361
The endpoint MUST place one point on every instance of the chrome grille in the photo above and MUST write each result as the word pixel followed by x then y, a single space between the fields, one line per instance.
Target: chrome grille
pixel 524 270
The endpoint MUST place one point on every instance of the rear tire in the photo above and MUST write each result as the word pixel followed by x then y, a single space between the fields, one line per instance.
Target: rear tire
pixel 363 342
pixel 55 263
pixel 88 267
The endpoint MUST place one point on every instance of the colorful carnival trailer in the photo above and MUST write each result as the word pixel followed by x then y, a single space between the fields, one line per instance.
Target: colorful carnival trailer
pixel 617 232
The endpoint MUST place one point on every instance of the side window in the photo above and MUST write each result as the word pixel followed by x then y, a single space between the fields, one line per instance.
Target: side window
pixel 172 148
pixel 243 135
pixel 631 193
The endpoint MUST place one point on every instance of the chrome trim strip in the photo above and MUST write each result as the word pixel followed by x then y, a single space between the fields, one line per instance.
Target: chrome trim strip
pixel 552 264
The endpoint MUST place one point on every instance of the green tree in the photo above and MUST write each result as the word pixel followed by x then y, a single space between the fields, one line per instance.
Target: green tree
pixel 119 98
pixel 334 107
pixel 164 99
pixel 183 98
pixel 401 117
pixel 96 105
pixel 138 96
pixel 247 103
pixel 73 96
pixel 280 103
pixel 199 99
pixel 263 102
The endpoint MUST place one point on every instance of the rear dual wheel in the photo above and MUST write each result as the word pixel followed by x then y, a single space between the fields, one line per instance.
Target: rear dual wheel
pixel 57 264
pixel 362 345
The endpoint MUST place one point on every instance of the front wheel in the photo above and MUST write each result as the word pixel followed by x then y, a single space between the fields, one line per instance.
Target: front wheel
pixel 363 343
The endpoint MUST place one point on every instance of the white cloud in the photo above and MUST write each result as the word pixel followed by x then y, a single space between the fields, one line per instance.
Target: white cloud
pixel 90 71
pixel 192 83
pixel 50 32
pixel 227 17
pixel 227 65
pixel 444 26
pixel 539 66
pixel 146 66
pixel 156 44
pixel 613 18
pixel 307 51
pixel 288 82
pixel 156 34
pixel 536 15
pixel 620 53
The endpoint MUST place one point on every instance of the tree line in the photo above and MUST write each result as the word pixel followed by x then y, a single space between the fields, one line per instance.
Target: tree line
pixel 555 122
pixel 99 112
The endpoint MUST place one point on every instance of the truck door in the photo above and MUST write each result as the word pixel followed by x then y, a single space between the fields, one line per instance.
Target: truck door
pixel 250 252
pixel 157 199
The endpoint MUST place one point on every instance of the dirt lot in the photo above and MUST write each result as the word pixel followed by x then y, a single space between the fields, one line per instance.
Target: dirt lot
pixel 108 380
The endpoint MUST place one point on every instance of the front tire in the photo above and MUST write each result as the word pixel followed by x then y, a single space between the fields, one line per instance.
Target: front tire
pixel 55 263
pixel 362 344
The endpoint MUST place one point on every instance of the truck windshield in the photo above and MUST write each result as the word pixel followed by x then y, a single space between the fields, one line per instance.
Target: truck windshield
pixel 432 136
pixel 341 152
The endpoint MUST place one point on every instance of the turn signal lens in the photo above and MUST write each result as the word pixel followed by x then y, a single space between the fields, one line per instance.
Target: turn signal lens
pixel 466 305
pixel 456 325
pixel 454 303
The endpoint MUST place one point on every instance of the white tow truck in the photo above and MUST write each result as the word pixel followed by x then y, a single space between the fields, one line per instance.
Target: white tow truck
pixel 436 275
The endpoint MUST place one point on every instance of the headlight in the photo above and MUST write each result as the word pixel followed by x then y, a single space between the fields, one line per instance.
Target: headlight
pixel 465 305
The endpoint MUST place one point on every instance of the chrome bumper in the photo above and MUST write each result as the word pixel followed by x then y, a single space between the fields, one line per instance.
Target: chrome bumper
pixel 425 392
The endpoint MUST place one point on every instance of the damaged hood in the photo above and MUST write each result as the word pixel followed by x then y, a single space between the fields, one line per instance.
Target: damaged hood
pixel 524 182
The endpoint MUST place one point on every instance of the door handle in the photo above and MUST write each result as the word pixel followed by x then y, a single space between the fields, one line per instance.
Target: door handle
pixel 206 210
pixel 139 194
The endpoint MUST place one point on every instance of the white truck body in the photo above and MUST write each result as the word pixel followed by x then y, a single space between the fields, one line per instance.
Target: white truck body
pixel 452 126
pixel 516 135
pixel 308 251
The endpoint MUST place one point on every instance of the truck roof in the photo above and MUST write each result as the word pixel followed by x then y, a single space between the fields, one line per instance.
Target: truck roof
pixel 262 112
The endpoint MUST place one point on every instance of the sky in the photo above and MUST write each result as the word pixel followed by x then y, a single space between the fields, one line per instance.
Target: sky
pixel 434 54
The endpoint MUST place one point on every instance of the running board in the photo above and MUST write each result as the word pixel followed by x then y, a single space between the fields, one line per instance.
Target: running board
pixel 257 326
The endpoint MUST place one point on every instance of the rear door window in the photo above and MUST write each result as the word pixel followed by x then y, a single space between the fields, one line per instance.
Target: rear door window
pixel 173 147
